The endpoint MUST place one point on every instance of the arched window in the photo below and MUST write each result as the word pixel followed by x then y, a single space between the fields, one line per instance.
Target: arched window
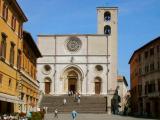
pixel 107 30
pixel 107 16
pixel 98 79
pixel 5 11
pixel 12 53
pixel 19 59
pixel 3 46
pixel 47 79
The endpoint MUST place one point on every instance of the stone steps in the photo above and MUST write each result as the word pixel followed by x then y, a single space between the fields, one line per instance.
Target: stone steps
pixel 88 104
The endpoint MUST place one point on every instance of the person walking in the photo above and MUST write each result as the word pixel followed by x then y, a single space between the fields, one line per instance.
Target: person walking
pixel 56 113
pixel 74 114
pixel 64 101
pixel 78 101
pixel 71 92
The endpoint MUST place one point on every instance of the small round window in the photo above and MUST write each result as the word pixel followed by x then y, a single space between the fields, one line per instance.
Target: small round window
pixel 99 68
pixel 46 69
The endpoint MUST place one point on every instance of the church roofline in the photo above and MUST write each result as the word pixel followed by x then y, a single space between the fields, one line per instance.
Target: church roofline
pixel 71 35
pixel 106 8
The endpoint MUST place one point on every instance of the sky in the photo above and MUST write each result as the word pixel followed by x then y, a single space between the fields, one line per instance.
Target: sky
pixel 138 22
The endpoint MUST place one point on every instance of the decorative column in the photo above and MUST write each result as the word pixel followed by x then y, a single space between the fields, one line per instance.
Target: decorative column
pixel 79 85
pixel 55 80
pixel 87 89
pixel 65 81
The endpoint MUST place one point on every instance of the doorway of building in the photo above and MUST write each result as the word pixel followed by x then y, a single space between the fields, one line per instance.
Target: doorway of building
pixel 72 84
pixel 47 85
pixel 148 108
pixel 97 85
pixel 72 81
pixel 6 107
pixel 156 108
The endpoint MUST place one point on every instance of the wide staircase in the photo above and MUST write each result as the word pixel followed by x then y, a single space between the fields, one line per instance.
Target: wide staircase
pixel 88 104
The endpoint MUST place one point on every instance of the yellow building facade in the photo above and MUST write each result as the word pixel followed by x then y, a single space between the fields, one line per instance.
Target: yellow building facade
pixel 12 84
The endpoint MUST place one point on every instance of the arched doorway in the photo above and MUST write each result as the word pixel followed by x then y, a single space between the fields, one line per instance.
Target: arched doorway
pixel 72 77
pixel 72 81
pixel 97 85
pixel 47 82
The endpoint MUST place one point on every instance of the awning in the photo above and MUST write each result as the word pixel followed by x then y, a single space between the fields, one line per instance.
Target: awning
pixel 10 98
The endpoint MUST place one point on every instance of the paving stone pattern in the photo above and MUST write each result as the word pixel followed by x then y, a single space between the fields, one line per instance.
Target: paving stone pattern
pixel 82 116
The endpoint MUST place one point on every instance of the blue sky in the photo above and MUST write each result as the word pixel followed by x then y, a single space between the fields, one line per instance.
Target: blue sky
pixel 138 21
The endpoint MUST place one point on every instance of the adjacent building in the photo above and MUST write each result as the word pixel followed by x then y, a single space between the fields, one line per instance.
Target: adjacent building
pixel 122 91
pixel 16 82
pixel 29 89
pixel 145 79
pixel 84 63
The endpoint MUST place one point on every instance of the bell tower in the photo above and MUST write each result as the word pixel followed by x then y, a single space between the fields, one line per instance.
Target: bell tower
pixel 107 20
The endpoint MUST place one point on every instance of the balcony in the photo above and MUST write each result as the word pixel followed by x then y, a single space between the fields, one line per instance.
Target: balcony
pixel 154 95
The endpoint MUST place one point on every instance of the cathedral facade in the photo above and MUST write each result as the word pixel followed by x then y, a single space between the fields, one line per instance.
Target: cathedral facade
pixel 85 63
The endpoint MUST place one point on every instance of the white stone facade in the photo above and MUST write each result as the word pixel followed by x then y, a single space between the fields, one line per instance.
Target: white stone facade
pixel 86 63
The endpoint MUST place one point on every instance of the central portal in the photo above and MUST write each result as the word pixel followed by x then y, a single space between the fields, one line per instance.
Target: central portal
pixel 72 81
pixel 72 84
pixel 72 77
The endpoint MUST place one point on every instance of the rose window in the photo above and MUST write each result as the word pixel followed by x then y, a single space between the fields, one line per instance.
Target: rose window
pixel 73 44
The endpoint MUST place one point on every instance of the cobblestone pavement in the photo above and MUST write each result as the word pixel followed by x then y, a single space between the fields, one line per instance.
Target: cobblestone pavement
pixel 92 117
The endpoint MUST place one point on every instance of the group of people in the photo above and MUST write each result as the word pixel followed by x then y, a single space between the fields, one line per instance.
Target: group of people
pixel 73 114
pixel 70 93
pixel 77 97
pixel 8 117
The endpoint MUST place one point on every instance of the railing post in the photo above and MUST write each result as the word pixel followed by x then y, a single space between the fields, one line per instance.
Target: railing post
pixel 106 103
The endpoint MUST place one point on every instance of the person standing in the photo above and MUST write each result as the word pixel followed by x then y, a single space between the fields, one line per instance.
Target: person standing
pixel 74 114
pixel 69 93
pixel 56 113
pixel 79 95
